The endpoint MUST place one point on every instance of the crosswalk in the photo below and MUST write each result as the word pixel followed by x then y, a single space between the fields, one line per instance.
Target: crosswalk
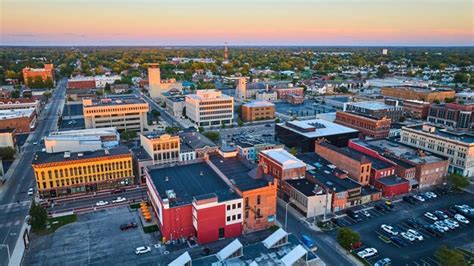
pixel 9 206
pixel 11 223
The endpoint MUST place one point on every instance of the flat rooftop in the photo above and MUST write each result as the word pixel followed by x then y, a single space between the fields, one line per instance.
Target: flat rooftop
pixel 195 140
pixel 376 163
pixel 75 109
pixel 350 153
pixel 259 104
pixel 372 105
pixel 387 146
pixel 392 180
pixel 284 158
pixel 321 128
pixel 190 181
pixel 242 174
pixel 116 100
pixel 306 187
pixel 444 133
pixel 16 113
pixel 43 157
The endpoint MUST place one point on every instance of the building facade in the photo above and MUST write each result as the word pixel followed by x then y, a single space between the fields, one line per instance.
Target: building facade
pixel 209 108
pixel 61 174
pixel 308 197
pixel 158 86
pixel 29 74
pixel 452 115
pixel 258 110
pixel 368 126
pixel 458 147
pixel 123 113
pixel 22 120
pixel 417 93
pixel 20 103
pixel 82 140
pixel 162 148
pixel 415 109
pixel 375 109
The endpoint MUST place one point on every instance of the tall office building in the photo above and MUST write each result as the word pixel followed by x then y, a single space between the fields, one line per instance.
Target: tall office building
pixel 209 108
pixel 241 89
pixel 158 86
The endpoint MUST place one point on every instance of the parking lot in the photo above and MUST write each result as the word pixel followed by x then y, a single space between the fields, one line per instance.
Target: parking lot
pixel 95 239
pixel 403 251
pixel 263 132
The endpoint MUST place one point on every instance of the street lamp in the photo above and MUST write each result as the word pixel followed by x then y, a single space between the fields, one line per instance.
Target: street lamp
pixel 286 212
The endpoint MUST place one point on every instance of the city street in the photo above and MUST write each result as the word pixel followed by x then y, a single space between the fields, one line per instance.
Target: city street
pixel 14 201
pixel 327 247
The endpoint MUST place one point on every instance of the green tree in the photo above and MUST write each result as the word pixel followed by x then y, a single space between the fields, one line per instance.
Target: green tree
pixel 7 153
pixel 461 78
pixel 39 217
pixel 458 181
pixel 99 92
pixel 294 150
pixel 48 83
pixel 47 94
pixel 201 129
pixel 449 257
pixel 436 101
pixel 16 94
pixel 155 113
pixel 382 71
pixel 212 135
pixel 240 123
pixel 128 135
pixel 346 237
pixel 450 100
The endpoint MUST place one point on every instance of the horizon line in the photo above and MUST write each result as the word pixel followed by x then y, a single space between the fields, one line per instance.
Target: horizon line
pixel 248 45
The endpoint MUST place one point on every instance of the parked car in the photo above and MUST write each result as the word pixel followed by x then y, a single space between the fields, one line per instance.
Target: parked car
pixel 142 250
pixel 31 191
pixel 433 230
pixel 101 203
pixel 389 229
pixel 308 242
pixel 119 199
pixel 368 252
pixel 383 262
pixel 430 194
pixel 365 213
pixel 461 218
pixel 415 234
pixel 414 223
pixel 379 207
pixel 451 224
pixel 440 215
pixel 431 216
pixel 336 222
pixel 419 198
pixel 353 215
pixel 124 227
pixel 205 251
pixel 442 226
pixel 408 236
pixel 385 207
pixel 389 204
pixel 397 240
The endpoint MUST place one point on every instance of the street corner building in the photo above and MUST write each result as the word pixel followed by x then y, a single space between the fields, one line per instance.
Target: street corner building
pixel 65 173
pixel 212 199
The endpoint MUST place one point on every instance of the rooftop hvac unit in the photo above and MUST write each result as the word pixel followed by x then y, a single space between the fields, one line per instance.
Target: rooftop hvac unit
pixel 67 154
pixel 171 194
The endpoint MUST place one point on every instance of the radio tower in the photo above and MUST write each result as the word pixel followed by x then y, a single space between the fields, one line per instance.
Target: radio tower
pixel 226 52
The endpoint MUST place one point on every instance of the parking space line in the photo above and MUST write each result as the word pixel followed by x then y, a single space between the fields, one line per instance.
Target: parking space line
pixel 425 263
pixel 434 261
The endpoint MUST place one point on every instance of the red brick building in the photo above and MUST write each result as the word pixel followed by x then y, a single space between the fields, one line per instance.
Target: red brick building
pixel 81 83
pixel 258 110
pixel 294 98
pixel 23 120
pixel 415 109
pixel 283 92
pixel 368 126
pixel 29 74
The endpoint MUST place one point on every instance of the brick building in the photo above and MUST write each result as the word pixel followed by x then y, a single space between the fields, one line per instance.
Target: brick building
pixel 283 92
pixel 29 74
pixel 417 93
pixel 258 110
pixel 452 115
pixel 23 120
pixel 415 109
pixel 358 167
pixel 368 126
pixel 294 98
pixel 375 109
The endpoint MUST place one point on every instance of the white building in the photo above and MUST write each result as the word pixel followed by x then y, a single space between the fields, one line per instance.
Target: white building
pixel 101 81
pixel 82 140
pixel 458 147
pixel 209 108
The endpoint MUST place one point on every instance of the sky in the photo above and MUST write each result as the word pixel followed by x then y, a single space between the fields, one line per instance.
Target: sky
pixel 237 22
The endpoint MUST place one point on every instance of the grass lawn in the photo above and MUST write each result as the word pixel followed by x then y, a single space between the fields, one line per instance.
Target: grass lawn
pixel 55 223
pixel 150 229
pixel 135 205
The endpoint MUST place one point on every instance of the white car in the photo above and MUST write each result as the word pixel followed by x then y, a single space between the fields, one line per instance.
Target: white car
pixel 35 143
pixel 389 229
pixel 30 191
pixel 418 197
pixel 365 213
pixel 461 219
pixel 415 234
pixel 408 236
pixel 431 194
pixel 368 252
pixel 119 199
pixel 442 225
pixel 431 216
pixel 101 203
pixel 142 250
pixel 451 223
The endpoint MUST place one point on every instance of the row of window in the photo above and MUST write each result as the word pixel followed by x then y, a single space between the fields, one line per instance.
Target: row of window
pixel 166 146
pixel 234 217
pixel 84 179
pixel 234 206
pixel 84 170
pixel 114 110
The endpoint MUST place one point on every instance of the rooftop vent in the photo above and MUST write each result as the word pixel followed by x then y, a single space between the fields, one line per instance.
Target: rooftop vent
pixel 67 154
pixel 80 154
pixel 171 194
pixel 167 178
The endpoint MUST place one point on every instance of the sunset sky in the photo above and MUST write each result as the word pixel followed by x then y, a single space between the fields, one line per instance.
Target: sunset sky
pixel 244 22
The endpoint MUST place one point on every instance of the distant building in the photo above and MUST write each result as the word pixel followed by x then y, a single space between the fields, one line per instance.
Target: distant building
pixel 303 134
pixel 376 109
pixel 417 93
pixel 61 174
pixel 457 146
pixel 415 109
pixel 119 88
pixel 82 140
pixel 384 51
pixel 209 108
pixel 162 148
pixel 175 105
pixel 82 83
pixel 282 92
pixel 452 115
pixel 309 197
pixel 124 113
pixel 465 97
pixel 258 110
pixel 265 95
pixel 158 86
pixel 20 103
pixel 294 99
pixel 368 126
pixel 8 138
pixel 29 74
pixel 241 89
pixel 23 120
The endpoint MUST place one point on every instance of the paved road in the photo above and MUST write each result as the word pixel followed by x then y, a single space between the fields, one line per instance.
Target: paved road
pixel 12 213
pixel 90 201
pixel 326 246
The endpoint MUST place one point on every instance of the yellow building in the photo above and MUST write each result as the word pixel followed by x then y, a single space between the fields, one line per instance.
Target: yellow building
pixel 162 148
pixel 60 174
pixel 123 113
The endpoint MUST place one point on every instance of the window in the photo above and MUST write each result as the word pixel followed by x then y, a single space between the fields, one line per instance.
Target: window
pixel 246 202
pixel 246 214
pixel 258 213
pixel 228 207
pixel 239 216
pixel 258 199
pixel 228 218
pixel 239 205
pixel 233 206
pixel 233 217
